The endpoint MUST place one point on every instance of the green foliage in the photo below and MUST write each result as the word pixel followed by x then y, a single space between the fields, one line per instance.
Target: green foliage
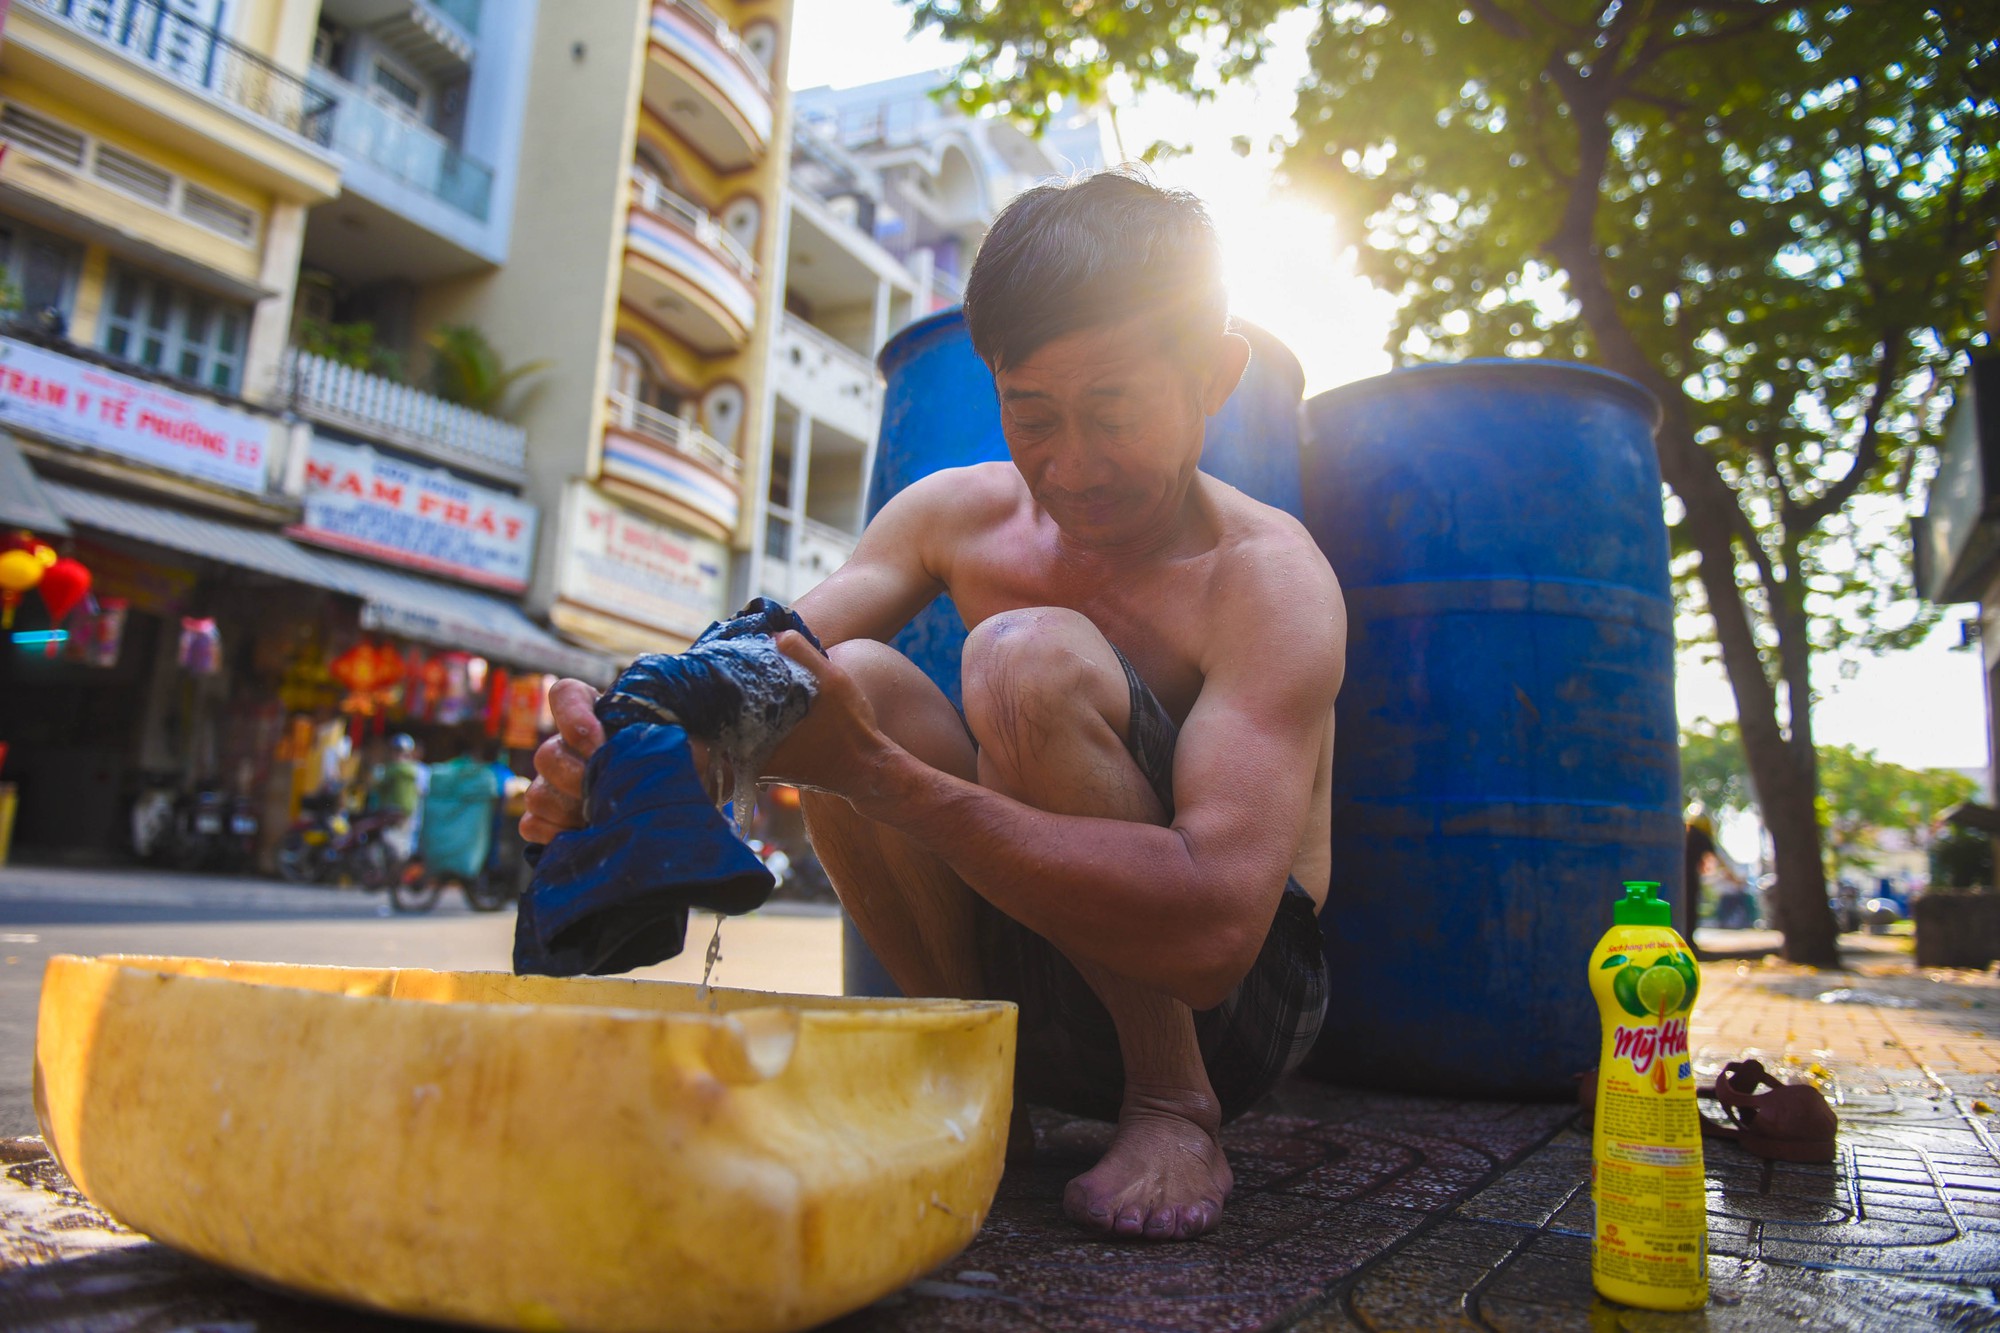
pixel 350 344
pixel 1029 57
pixel 1712 772
pixel 467 370
pixel 1860 796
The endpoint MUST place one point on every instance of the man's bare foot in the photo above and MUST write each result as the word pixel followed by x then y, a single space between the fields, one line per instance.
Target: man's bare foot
pixel 1164 1176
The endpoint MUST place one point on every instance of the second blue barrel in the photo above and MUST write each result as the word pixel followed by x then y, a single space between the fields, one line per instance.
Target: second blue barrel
pixel 940 411
pixel 1505 751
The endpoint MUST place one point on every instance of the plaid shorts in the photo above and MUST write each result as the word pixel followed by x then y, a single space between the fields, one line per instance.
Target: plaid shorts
pixel 1068 1053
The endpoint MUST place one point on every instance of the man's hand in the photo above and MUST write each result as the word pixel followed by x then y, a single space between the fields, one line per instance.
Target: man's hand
pixel 555 800
pixel 838 743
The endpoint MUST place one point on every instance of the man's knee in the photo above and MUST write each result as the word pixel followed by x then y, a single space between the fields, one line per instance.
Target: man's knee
pixel 873 666
pixel 908 705
pixel 1035 668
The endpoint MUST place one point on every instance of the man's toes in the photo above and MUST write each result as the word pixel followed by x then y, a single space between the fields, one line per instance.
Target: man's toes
pixel 1131 1221
pixel 1163 1223
pixel 1198 1219
pixel 1085 1208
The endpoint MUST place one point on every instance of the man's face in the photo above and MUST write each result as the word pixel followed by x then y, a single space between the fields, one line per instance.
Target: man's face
pixel 1105 426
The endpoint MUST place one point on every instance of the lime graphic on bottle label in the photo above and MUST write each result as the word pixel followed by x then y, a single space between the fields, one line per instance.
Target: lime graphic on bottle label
pixel 1684 964
pixel 1660 989
pixel 1625 989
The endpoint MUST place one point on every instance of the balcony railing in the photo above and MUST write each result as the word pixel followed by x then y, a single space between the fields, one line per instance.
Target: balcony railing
pixel 198 55
pixel 393 413
pixel 837 352
pixel 676 433
pixel 827 378
pixel 823 548
pixel 404 147
pixel 726 38
pixel 654 197
pixel 465 13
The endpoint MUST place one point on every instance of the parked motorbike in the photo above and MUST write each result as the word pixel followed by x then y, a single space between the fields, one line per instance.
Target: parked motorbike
pixel 200 829
pixel 327 846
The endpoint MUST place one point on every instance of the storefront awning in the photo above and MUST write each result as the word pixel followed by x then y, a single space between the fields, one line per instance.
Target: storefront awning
pixel 406 605
pixel 24 502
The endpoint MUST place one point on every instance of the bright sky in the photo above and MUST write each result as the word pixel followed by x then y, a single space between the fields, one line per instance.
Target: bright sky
pixel 1290 271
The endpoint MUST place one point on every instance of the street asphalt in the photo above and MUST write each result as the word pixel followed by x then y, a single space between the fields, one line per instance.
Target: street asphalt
pixel 49 910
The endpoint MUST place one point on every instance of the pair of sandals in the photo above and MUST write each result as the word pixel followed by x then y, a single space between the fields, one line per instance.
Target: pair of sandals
pixel 1786 1122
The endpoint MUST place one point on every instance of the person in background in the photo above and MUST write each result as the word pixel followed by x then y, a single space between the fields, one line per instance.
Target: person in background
pixel 397 788
pixel 1701 853
pixel 505 782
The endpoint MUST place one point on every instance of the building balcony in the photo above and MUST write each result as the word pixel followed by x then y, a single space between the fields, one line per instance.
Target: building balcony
pixel 826 379
pixel 702 81
pixel 670 463
pixel 436 36
pixel 797 561
pixel 195 55
pixel 685 273
pixel 409 419
pixel 412 154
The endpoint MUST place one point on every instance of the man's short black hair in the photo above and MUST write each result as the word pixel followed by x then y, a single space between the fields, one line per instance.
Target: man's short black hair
pixel 1095 250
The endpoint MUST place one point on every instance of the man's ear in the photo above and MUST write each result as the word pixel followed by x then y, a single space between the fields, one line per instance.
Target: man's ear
pixel 1231 359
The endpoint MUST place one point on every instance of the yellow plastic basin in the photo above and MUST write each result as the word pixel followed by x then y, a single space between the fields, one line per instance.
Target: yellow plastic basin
pixel 522 1152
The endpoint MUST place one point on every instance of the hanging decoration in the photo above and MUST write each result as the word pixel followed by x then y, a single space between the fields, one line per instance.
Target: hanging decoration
pixel 497 682
pixel 200 649
pixel 20 571
pixel 97 634
pixel 28 563
pixel 373 673
pixel 454 700
pixel 64 584
pixel 522 727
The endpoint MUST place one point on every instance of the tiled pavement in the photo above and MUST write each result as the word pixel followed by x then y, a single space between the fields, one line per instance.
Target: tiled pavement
pixel 1358 1211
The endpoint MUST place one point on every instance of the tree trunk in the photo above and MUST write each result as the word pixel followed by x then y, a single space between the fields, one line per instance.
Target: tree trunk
pixel 1786 786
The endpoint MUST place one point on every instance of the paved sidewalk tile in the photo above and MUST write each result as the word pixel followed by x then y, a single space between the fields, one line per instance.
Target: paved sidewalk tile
pixel 1369 1211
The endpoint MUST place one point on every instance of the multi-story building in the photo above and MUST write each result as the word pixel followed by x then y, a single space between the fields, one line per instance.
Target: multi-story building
pixel 891 192
pixel 236 237
pixel 650 200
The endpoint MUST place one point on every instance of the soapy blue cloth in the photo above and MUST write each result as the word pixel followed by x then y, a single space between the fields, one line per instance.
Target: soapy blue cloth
pixel 615 895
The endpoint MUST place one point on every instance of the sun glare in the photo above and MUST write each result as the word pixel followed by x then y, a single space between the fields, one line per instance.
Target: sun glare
pixel 1289 274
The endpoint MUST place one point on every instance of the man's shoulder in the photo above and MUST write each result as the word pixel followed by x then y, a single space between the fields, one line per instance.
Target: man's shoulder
pixel 967 494
pixel 1275 578
pixel 1270 550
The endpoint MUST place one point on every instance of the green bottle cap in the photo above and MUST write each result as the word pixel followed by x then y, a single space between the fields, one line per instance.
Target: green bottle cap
pixel 1642 905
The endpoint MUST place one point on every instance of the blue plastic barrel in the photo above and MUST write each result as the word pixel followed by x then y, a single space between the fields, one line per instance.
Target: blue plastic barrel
pixel 1505 751
pixel 940 411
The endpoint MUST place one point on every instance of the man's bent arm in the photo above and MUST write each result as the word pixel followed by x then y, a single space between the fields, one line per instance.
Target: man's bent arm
pixel 890 577
pixel 1182 909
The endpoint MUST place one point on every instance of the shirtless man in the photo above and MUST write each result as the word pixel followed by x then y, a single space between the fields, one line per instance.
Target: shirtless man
pixel 1127 830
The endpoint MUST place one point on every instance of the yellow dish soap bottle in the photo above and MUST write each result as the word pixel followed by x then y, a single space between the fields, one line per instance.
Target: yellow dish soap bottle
pixel 1650 1244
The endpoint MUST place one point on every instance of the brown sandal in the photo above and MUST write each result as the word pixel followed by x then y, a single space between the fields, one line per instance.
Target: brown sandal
pixel 1791 1122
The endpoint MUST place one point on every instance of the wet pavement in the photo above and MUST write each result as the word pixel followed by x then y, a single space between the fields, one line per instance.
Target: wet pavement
pixel 1366 1211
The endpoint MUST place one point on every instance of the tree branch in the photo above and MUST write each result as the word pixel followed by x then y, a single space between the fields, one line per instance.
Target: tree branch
pixel 1867 451
pixel 1506 24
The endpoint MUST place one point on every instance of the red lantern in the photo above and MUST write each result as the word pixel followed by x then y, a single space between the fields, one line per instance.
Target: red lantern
pixel 64 584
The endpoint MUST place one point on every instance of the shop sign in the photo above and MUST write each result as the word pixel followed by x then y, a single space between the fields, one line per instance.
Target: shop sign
pixel 618 564
pixel 416 517
pixel 74 402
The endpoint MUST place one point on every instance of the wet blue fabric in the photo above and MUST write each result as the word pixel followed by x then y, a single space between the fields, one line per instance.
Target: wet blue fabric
pixel 615 895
